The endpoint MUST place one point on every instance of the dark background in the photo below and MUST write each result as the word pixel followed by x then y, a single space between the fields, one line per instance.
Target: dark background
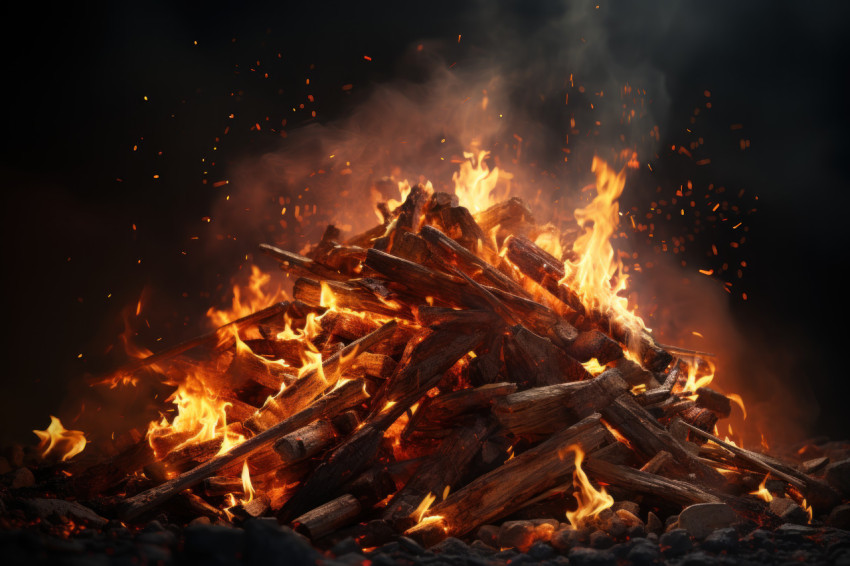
pixel 76 78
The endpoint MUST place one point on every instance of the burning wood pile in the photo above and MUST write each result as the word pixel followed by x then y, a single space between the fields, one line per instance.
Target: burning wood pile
pixel 440 372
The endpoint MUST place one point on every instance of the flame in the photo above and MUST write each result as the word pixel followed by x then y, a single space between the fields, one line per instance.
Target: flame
pixel 258 294
pixel 591 501
pixel 762 491
pixel 247 488
pixel 694 382
pixel 593 367
pixel 597 276
pixel 58 442
pixel 200 414
pixel 475 182
pixel 808 509
pixel 423 507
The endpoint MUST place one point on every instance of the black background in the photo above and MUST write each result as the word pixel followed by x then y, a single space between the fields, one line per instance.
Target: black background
pixel 75 79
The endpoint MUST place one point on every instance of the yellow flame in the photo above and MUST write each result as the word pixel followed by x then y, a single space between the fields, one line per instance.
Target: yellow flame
pixel 762 492
pixel 593 367
pixel 597 276
pixel 258 294
pixel 475 182
pixel 694 381
pixel 591 501
pixel 247 488
pixel 423 507
pixel 58 442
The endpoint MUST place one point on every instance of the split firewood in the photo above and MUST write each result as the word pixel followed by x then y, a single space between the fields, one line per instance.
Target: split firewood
pixel 345 396
pixel 511 216
pixel 315 381
pixel 301 266
pixel 594 344
pixel 506 488
pixel 308 441
pixel 356 295
pixel 714 401
pixel 540 411
pixel 425 365
pixel 327 518
pixel 532 360
pixel 441 471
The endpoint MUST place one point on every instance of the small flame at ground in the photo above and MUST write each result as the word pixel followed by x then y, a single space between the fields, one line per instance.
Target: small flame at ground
pixel 247 488
pixel 591 501
pixel 58 442
pixel 762 492
pixel 423 507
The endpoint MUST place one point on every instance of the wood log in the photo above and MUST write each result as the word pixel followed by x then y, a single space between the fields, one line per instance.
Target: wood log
pixel 354 295
pixel 594 344
pixel 104 476
pixel 818 494
pixel 501 491
pixel 657 462
pixel 647 437
pixel 458 223
pixel 327 518
pixel 637 481
pixel 511 216
pixel 305 442
pixel 714 401
pixel 445 407
pixel 468 262
pixel 301 266
pixel 315 382
pixel 347 395
pixel 541 411
pixel 442 470
pixel 288 350
pixel 248 366
pixel 533 361
pixel 221 336
pixel 635 375
pixel 346 325
pixel 427 360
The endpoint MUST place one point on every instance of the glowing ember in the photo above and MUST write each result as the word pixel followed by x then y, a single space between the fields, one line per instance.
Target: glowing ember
pixel 58 442
pixel 591 501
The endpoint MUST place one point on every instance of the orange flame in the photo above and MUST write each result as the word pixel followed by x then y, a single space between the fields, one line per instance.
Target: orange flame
pixel 591 501
pixel 762 492
pixel 247 488
pixel 475 182
pixel 58 442
pixel 423 507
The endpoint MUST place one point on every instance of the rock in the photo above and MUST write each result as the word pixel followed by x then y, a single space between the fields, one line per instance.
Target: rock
pixel 840 517
pixel 601 540
pixel 22 477
pixel 452 546
pixel 626 505
pixel 350 558
pixel 721 540
pixel 616 527
pixel 759 539
pixel 153 527
pixel 541 551
pixel 410 546
pixel 675 543
pixel 794 533
pixel 702 519
pixel 591 557
pixel 269 544
pixel 654 524
pixel 698 559
pixel 346 546
pixel 644 553
pixel 202 520
pixel 788 510
pixel 213 544
pixel 44 508
pixel 630 519
pixel 566 539
pixel 488 534
pixel 516 534
pixel 483 548
pixel 838 476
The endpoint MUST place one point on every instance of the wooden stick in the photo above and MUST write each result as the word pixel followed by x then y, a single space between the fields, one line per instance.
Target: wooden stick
pixel 205 339
pixel 328 517
pixel 341 398
pixel 632 480
pixel 300 265
pixel 313 383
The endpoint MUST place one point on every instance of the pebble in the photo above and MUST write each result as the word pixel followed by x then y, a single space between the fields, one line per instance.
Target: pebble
pixel 591 557
pixel 22 477
pixel 788 510
pixel 675 543
pixel 451 546
pixel 483 548
pixel 346 546
pixel 698 558
pixel 410 546
pixel 701 519
pixel 516 534
pixel 721 540
pixel 566 539
pixel 644 553
pixel 838 476
pixel 541 551
pixel 654 524
pixel 489 534
pixel 601 540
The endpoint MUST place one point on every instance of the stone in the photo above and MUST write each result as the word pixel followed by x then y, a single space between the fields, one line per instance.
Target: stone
pixel 759 539
pixel 483 548
pixel 840 517
pixel 838 476
pixel 644 554
pixel 566 539
pixel 698 558
pixel 270 544
pixel 788 510
pixel 516 534
pixel 451 545
pixel 44 508
pixel 410 546
pixel 22 477
pixel 345 546
pixel 541 551
pixel 591 557
pixel 626 505
pixel 202 520
pixel 675 543
pixel 654 524
pixel 701 519
pixel 638 531
pixel 601 540
pixel 721 540
pixel 793 532
pixel 488 534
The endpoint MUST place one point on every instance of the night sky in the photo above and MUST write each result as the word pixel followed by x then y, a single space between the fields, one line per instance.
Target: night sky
pixel 111 115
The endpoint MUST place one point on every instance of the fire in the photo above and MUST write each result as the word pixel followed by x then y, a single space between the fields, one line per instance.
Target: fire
pixel 247 488
pixel 762 492
pixel 423 507
pixel 58 442
pixel 694 381
pixel 593 367
pixel 597 276
pixel 591 501
pixel 475 182
pixel 258 294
